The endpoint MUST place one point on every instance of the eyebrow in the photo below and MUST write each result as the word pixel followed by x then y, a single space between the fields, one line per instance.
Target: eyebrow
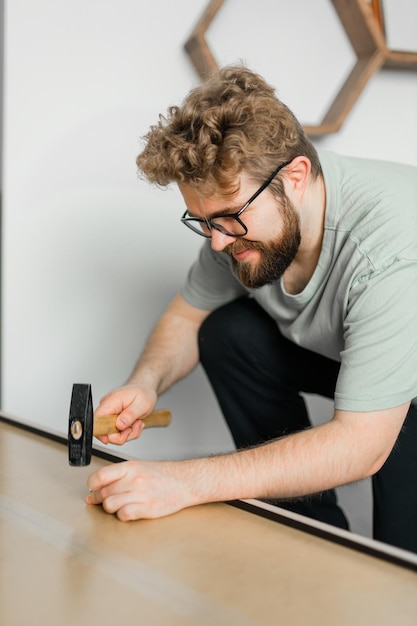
pixel 230 210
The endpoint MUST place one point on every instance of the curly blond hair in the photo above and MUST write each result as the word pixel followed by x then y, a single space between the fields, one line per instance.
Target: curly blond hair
pixel 230 123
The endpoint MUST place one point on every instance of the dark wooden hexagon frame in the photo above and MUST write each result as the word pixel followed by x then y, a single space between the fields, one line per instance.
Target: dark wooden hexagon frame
pixel 363 23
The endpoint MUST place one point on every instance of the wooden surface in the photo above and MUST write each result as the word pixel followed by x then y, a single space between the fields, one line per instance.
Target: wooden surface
pixel 63 562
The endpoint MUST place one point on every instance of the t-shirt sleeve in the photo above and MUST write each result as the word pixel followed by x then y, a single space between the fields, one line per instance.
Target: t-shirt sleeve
pixel 379 360
pixel 210 281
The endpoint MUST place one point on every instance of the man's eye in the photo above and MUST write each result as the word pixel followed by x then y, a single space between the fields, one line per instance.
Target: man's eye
pixel 224 220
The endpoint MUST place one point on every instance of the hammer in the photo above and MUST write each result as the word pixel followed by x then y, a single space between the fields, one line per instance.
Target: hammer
pixel 82 425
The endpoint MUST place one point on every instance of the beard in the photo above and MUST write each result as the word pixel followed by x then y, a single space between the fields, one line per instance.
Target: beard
pixel 276 254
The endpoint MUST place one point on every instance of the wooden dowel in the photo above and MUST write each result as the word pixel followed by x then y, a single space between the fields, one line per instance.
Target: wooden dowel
pixel 106 424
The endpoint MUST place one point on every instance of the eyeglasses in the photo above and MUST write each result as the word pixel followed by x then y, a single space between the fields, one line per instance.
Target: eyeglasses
pixel 229 224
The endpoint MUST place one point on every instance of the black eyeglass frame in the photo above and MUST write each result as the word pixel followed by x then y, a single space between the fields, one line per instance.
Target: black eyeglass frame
pixel 210 222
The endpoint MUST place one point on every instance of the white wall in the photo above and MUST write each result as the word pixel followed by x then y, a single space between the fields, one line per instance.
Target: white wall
pixel 91 255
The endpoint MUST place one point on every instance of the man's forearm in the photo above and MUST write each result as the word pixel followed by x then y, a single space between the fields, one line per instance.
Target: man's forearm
pixel 296 465
pixel 339 452
pixel 169 355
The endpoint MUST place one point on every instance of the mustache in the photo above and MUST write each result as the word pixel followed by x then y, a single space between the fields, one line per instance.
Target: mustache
pixel 239 246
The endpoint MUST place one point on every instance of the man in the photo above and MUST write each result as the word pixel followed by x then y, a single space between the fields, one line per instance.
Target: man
pixel 306 282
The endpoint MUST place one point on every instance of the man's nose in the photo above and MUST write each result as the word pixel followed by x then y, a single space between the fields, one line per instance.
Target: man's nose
pixel 219 241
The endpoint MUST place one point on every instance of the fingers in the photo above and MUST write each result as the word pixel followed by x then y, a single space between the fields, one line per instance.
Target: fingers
pixel 129 512
pixel 127 418
pixel 93 498
pixel 120 505
pixel 107 475
pixel 128 434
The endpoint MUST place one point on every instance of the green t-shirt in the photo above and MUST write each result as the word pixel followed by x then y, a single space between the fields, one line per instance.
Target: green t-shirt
pixel 360 305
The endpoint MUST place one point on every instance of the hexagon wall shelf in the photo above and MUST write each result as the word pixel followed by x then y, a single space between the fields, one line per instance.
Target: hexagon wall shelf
pixel 363 23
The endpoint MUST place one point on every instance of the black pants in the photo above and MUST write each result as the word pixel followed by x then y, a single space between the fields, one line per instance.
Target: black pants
pixel 257 376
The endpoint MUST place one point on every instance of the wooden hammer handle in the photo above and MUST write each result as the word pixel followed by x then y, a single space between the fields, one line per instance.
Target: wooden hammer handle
pixel 106 424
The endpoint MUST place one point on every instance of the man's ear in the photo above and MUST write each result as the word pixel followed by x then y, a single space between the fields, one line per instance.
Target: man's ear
pixel 297 175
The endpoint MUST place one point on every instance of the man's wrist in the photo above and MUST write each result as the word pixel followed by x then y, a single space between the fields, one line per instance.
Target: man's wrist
pixel 210 479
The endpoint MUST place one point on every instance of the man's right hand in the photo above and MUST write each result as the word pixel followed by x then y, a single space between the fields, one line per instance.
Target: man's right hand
pixel 131 403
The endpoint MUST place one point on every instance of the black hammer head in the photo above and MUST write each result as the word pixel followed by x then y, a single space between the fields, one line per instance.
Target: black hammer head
pixel 80 428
